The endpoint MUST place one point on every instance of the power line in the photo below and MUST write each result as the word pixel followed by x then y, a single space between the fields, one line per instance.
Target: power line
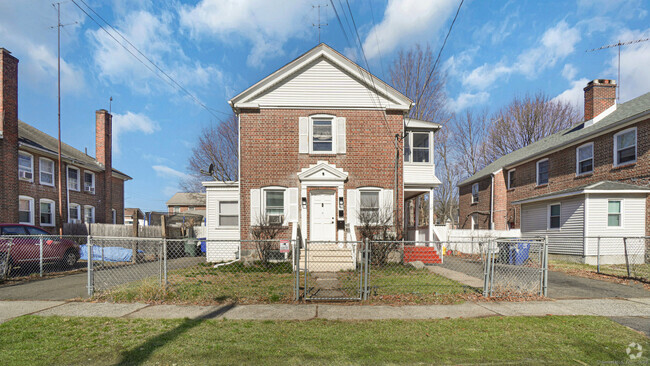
pixel 169 80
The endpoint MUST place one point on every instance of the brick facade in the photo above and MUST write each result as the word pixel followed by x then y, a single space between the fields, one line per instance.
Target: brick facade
pixel 9 142
pixel 269 156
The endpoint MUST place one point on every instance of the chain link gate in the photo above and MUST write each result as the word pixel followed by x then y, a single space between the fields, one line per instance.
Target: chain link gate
pixel 333 270
pixel 516 267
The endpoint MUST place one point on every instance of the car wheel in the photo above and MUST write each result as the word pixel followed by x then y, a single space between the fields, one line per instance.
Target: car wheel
pixel 69 259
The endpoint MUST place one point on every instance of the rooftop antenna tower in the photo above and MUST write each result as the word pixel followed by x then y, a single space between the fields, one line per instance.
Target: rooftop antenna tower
pixel 319 24
pixel 619 44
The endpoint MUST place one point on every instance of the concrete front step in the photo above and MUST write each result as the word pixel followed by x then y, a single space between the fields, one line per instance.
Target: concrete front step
pixel 327 266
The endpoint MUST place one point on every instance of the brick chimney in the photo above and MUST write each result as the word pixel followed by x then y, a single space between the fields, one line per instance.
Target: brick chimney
pixel 9 140
pixel 600 94
pixel 104 155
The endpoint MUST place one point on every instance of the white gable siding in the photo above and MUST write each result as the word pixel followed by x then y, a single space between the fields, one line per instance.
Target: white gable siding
pixel 569 238
pixel 321 84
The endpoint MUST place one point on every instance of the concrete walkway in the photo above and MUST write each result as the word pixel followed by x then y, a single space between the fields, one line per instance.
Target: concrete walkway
pixel 621 308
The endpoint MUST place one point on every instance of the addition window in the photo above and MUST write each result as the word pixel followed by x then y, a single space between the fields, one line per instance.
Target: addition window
pixel 89 214
pixel 474 218
pixel 554 212
pixel 228 213
pixel 47 212
pixel 475 193
pixel 511 178
pixel 614 213
pixel 74 213
pixel 73 178
pixel 625 147
pixel 322 135
pixel 542 172
pixel 25 210
pixel 369 206
pixel 274 206
pixel 89 182
pixel 46 171
pixel 585 159
pixel 417 147
pixel 25 166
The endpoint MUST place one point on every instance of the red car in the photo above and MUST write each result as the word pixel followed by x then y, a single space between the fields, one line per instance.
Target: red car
pixel 25 248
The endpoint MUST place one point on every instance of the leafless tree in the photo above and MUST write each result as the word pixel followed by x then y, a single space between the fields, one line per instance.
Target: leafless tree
pixel 264 234
pixel 447 170
pixel 217 145
pixel 378 226
pixel 526 120
pixel 469 138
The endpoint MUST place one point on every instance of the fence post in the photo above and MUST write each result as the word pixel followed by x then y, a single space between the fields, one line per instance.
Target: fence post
pixel 627 261
pixel 597 255
pixel 165 261
pixel 486 270
pixel 40 255
pixel 366 268
pixel 91 277
pixel 545 287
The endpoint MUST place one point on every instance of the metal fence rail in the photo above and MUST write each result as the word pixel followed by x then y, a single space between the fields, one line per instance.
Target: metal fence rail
pixel 621 256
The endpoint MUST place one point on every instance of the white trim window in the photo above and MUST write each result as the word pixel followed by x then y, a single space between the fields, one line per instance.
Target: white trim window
pixel 89 182
pixel 554 216
pixel 25 166
pixel 474 221
pixel 475 192
pixel 25 210
pixel 614 213
pixel 73 178
pixel 74 213
pixel 47 212
pixel 322 137
pixel 89 214
pixel 369 206
pixel 228 213
pixel 542 172
pixel 625 147
pixel 274 206
pixel 417 147
pixel 585 159
pixel 46 172
pixel 511 178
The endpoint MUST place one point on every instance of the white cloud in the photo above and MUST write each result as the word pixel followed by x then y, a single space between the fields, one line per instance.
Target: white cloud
pixel 167 172
pixel 465 100
pixel 569 72
pixel 406 20
pixel 635 58
pixel 24 31
pixel 131 122
pixel 575 94
pixel 555 44
pixel 267 25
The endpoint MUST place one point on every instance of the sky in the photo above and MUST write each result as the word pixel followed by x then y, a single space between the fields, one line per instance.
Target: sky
pixel 215 49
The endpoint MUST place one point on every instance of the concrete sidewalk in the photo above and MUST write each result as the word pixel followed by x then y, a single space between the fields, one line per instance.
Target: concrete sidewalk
pixel 632 307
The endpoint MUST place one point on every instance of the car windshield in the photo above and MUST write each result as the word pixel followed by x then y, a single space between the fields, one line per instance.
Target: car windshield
pixel 13 230
pixel 35 231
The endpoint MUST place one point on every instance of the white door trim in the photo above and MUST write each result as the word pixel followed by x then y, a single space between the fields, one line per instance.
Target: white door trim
pixel 322 223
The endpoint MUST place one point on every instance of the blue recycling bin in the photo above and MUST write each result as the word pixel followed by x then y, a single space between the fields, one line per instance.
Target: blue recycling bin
pixel 202 245
pixel 519 253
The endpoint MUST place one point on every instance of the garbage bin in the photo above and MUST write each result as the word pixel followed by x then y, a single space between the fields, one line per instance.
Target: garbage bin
pixel 203 249
pixel 191 248
pixel 519 253
pixel 503 255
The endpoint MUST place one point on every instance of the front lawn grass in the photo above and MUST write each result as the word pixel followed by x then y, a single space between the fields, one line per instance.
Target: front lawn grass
pixel 34 340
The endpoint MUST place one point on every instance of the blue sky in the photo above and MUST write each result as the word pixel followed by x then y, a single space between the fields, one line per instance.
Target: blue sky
pixel 217 48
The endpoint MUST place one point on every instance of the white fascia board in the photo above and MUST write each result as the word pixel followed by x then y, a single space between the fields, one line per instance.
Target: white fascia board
pixel 219 184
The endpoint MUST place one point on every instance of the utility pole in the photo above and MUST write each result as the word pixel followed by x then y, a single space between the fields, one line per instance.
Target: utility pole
pixel 319 24
pixel 619 44
pixel 58 35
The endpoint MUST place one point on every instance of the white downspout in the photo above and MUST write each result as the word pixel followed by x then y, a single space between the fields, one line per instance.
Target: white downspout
pixel 492 203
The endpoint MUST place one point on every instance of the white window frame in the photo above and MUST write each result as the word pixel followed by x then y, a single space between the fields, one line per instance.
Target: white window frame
pixel 84 180
pixel 78 209
pixel 41 171
pixel 52 209
pixel 548 216
pixel 510 174
pixel 578 161
pixel 478 192
pixel 620 213
pixel 322 117
pixel 31 210
pixel 636 147
pixel 408 138
pixel 284 200
pixel 67 178
pixel 92 210
pixel 474 221
pixel 227 215
pixel 537 172
pixel 31 169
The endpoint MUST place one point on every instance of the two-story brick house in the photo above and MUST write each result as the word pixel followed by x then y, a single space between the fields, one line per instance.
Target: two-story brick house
pixel 322 141
pixel 591 179
pixel 93 191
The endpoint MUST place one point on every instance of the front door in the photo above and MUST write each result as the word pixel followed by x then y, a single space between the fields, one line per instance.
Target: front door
pixel 322 213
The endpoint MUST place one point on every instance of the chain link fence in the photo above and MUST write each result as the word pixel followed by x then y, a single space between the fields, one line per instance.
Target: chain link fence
pixel 516 267
pixel 333 270
pixel 627 257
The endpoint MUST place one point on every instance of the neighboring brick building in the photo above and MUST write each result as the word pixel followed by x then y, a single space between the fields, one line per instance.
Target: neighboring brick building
pixel 182 202
pixel 612 145
pixel 318 149
pixel 29 179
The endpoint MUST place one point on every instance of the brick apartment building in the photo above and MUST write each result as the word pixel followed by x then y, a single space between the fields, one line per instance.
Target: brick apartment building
pixel 318 149
pixel 29 179
pixel 183 202
pixel 597 169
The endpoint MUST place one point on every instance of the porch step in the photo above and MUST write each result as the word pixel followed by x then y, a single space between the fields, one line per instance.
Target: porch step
pixel 327 266
pixel 427 255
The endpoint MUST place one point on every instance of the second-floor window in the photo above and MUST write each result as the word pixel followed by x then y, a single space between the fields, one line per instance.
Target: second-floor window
pixel 89 182
pixel 46 171
pixel 417 147
pixel 25 166
pixel 511 179
pixel 73 178
pixel 585 159
pixel 475 193
pixel 542 172
pixel 322 139
pixel 625 147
